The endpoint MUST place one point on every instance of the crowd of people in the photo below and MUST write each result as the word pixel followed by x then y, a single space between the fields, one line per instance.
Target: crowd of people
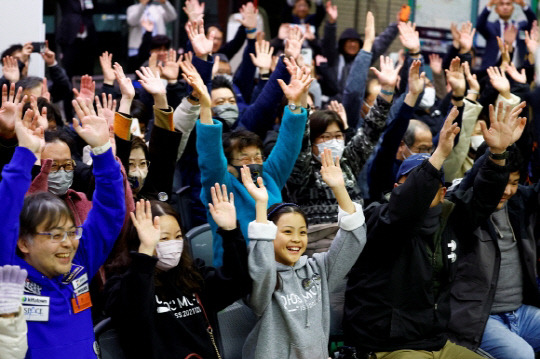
pixel 347 194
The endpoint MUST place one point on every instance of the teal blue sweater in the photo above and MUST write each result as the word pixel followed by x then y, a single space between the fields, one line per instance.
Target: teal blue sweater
pixel 276 170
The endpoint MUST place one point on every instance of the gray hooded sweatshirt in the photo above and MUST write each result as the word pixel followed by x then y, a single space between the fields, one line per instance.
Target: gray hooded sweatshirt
pixel 294 320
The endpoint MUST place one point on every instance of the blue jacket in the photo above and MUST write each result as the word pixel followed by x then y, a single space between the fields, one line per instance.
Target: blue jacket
pixel 54 329
pixel 276 170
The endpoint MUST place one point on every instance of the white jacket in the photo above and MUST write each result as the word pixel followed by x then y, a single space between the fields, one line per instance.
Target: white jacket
pixel 160 14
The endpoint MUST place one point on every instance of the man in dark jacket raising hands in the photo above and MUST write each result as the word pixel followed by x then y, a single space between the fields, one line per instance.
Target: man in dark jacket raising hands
pixel 397 301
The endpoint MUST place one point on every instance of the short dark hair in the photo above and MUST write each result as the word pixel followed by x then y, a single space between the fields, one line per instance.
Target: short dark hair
pixel 307 1
pixel 410 135
pixel 45 209
pixel 279 209
pixel 60 136
pixel 238 140
pixel 11 50
pixel 221 81
pixel 29 82
pixel 137 142
pixel 160 41
pixel 140 111
pixel 53 113
pixel 320 120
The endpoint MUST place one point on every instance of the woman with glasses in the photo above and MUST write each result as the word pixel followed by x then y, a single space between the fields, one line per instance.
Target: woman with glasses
pixel 60 255
pixel 291 293
pixel 164 304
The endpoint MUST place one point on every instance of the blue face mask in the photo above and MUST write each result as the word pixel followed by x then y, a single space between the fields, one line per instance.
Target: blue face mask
pixel 255 168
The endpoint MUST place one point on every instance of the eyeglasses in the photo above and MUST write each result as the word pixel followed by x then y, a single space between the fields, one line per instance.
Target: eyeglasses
pixel 143 165
pixel 69 166
pixel 246 160
pixel 60 236
pixel 328 136
pixel 421 149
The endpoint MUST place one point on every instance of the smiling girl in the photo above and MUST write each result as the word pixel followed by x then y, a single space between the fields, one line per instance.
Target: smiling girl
pixel 291 292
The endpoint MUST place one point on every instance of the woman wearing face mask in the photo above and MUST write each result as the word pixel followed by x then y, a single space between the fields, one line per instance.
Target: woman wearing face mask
pixel 306 186
pixel 165 305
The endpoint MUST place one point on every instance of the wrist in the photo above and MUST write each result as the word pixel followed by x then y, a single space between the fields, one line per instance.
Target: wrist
pixel 101 148
pixel 160 101
pixel 498 153
pixel 108 82
pixel 148 250
pixel 387 90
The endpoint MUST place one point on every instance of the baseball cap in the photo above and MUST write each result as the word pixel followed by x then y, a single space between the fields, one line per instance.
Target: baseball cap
pixel 411 162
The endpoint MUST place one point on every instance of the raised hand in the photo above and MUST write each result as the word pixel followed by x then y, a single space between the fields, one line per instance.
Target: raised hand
pixel 48 55
pixel 249 15
pixel 510 35
pixel 222 207
pixel 105 60
pixel 151 81
pixel 331 172
pixel 388 75
pixel 88 88
pixel 11 109
pixel 107 109
pixel 29 134
pixel 45 90
pixel 447 135
pixel 92 128
pixel 435 63
pixel 171 68
pixel 369 37
pixel 293 44
pixel 417 80
pixel 456 77
pixel 520 77
pixel 193 78
pixel 194 10
pixel 299 84
pixel 471 79
pixel 41 118
pixel 332 12
pixel 340 110
pixel 466 37
pixel 503 125
pixel 531 39
pixel 499 81
pixel 10 69
pixel 263 57
pixel 409 37
pixel 504 48
pixel 257 191
pixel 202 46
pixel 455 35
pixel 148 230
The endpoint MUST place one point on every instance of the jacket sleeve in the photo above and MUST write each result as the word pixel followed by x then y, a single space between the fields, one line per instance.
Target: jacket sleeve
pixel 381 168
pixel 384 40
pixel 243 77
pixel 482 23
pixel 232 47
pixel 13 343
pixel 260 115
pixel 130 301
pixel 281 161
pixel 212 161
pixel 169 13
pixel 346 247
pixel 105 219
pixel 474 206
pixel 16 178
pixel 362 144
pixel 134 14
pixel 355 88
pixel 61 87
pixel 262 265
pixel 302 173
pixel 185 116
pixel 454 162
pixel 231 281
pixel 329 44
pixel 163 149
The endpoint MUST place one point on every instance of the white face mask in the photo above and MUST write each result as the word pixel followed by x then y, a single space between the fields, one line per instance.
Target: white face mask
pixel 137 179
pixel 476 141
pixel 169 253
pixel 336 146
pixel 428 99
pixel 59 182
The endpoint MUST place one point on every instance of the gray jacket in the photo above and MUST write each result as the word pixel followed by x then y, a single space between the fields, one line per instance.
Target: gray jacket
pixel 294 320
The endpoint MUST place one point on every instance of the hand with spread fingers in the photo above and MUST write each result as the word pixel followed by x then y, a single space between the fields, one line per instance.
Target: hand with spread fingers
pixel 499 81
pixel 332 12
pixel 194 10
pixel 202 45
pixel 338 107
pixel 388 76
pixel 435 63
pixel 293 44
pixel 87 90
pixel 298 86
pixel 107 109
pixel 148 229
pixel 520 77
pixel 29 133
pixel 409 37
pixel 263 56
pixel 249 16
pixel 503 125
pixel 171 68
pixel 10 69
pixel 105 60
pixel 12 104
pixel 222 207
pixel 447 136
pixel 93 129
pixel 126 88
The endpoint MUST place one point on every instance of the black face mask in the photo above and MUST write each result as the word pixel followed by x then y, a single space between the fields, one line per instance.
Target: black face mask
pixel 255 168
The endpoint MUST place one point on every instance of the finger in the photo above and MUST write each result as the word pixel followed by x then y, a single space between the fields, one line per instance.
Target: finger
pixel 218 192
pixel 78 110
pixel 224 192
pixel 213 195
pixel 134 220
pixel 148 210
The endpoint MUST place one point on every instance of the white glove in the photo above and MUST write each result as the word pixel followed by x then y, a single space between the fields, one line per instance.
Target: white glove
pixel 12 280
